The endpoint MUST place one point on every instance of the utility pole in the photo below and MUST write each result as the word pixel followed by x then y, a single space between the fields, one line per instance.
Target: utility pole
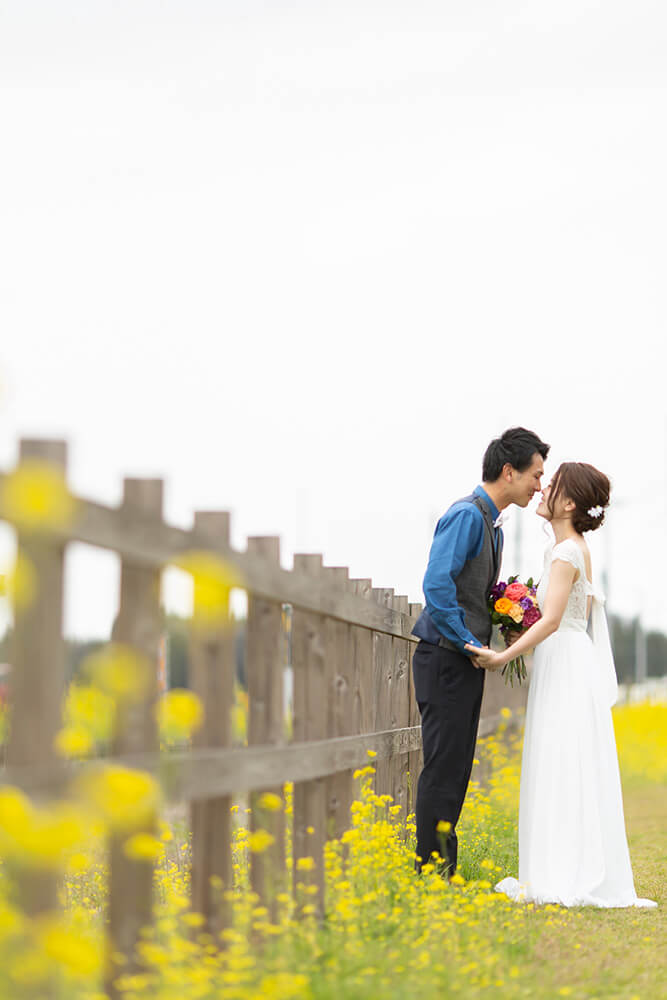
pixel 640 651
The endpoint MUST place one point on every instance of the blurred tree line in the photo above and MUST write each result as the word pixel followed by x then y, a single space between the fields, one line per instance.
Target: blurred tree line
pixel 623 636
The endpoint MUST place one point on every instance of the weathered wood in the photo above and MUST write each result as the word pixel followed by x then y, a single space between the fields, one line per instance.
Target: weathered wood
pixel 382 693
pixel 415 757
pixel 310 722
pixel 265 666
pixel 137 625
pixel 144 542
pixel 212 679
pixel 340 722
pixel 187 776
pixel 399 710
pixel 362 638
pixel 37 681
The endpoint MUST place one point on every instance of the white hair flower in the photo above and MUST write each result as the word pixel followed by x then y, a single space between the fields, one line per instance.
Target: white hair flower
pixel 595 511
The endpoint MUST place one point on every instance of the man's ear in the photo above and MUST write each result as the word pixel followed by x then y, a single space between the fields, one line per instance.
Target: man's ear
pixel 508 472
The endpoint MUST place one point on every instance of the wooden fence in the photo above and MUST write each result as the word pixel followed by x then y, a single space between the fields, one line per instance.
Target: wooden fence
pixel 352 692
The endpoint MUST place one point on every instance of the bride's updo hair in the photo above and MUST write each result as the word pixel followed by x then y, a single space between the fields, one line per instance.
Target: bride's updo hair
pixel 587 488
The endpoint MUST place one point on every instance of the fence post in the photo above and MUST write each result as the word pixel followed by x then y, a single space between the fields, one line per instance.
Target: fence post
pixel 38 677
pixel 137 625
pixel 265 665
pixel 382 691
pixel 400 708
pixel 310 719
pixel 415 757
pixel 340 667
pixel 212 679
pixel 363 706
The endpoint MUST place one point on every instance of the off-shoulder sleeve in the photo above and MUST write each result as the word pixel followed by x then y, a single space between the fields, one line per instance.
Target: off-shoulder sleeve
pixel 569 552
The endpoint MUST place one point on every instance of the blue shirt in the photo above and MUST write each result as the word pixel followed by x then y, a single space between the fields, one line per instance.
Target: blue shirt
pixel 459 536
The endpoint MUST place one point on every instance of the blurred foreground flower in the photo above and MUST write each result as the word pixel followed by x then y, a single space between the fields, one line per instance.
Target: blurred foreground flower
pixel 124 798
pixel 20 584
pixel 143 847
pixel 179 714
pixel 119 671
pixel 80 956
pixel 260 840
pixel 213 580
pixel 88 717
pixel 36 498
pixel 39 837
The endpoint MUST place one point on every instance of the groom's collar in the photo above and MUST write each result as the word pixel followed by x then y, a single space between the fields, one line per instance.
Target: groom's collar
pixel 479 491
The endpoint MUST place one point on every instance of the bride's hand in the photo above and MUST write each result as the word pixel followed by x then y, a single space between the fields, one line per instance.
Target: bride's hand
pixel 486 658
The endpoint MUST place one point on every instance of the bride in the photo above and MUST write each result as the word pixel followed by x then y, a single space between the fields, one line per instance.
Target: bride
pixel 572 844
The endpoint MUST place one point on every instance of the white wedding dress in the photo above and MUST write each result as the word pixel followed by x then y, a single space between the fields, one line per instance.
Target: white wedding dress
pixel 572 844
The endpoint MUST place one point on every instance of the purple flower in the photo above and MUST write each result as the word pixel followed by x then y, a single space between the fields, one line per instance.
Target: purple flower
pixel 526 603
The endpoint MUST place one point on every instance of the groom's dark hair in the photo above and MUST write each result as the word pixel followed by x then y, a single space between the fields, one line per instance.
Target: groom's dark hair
pixel 516 446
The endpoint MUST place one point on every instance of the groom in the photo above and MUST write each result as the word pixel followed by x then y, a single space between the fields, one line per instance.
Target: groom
pixel 463 566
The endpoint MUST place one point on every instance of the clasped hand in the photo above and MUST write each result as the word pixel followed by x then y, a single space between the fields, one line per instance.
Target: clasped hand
pixel 485 658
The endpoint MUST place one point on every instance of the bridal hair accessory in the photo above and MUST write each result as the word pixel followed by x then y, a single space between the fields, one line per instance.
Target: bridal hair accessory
pixel 502 517
pixel 595 511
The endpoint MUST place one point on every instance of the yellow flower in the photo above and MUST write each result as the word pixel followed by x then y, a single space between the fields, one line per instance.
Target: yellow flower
pixel 502 606
pixel 143 847
pixel 213 580
pixel 35 496
pixel 179 714
pixel 38 836
pixel 260 840
pixel 516 613
pixel 119 671
pixel 126 799
pixel 68 947
pixel 270 801
pixel 21 583
pixel 73 741
pixel 371 753
pixel 443 826
pixel 305 864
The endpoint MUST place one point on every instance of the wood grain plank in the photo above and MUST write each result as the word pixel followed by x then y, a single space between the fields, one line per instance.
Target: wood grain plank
pixel 212 679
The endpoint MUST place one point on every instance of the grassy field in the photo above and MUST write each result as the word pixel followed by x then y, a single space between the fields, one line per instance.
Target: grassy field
pixel 388 934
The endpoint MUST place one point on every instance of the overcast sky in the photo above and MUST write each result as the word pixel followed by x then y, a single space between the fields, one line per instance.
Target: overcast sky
pixel 305 260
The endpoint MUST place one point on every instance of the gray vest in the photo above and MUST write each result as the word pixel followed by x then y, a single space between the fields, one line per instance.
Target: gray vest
pixel 473 585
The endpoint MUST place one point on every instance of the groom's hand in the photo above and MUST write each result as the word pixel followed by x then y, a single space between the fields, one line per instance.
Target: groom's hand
pixel 483 656
pixel 472 652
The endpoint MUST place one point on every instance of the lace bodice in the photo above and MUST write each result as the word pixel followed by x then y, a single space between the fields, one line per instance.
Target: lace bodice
pixel 576 610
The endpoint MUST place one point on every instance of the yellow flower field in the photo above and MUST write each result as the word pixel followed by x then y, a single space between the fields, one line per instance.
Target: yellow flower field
pixel 387 933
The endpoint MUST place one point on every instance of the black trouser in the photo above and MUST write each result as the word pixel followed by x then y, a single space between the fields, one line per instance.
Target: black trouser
pixel 449 693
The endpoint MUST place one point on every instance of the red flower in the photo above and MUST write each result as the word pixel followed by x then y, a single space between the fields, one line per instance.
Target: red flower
pixel 515 592
pixel 530 616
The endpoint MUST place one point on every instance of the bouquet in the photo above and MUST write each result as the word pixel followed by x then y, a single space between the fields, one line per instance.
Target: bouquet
pixel 513 606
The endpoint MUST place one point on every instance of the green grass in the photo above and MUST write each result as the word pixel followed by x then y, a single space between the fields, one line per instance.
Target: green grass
pixel 600 953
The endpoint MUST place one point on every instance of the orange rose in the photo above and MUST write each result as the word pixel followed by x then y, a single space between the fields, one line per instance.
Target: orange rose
pixel 502 606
